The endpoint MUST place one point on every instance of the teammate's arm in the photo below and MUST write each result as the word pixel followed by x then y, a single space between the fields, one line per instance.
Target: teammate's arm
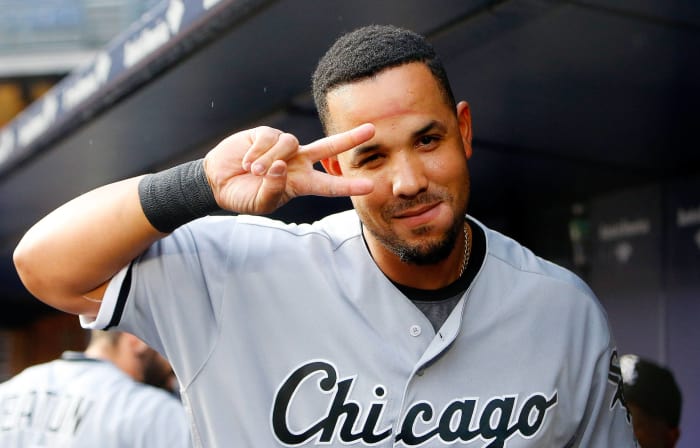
pixel 68 257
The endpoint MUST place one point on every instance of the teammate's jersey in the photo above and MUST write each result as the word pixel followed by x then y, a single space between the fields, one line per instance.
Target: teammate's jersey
pixel 290 335
pixel 79 402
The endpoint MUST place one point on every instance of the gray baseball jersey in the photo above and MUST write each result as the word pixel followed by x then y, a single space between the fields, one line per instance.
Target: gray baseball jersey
pixel 290 335
pixel 81 402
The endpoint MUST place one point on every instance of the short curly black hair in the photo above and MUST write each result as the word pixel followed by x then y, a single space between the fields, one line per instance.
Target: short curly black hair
pixel 653 388
pixel 366 51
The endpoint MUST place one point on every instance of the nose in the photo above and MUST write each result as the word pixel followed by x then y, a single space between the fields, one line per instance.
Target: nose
pixel 408 175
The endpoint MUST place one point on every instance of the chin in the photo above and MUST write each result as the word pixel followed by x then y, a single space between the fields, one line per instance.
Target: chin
pixel 428 253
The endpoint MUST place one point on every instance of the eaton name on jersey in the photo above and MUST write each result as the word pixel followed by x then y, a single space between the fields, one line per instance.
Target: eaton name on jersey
pixel 459 420
pixel 43 411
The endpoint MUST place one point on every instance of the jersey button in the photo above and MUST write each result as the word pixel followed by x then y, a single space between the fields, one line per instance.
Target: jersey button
pixel 415 330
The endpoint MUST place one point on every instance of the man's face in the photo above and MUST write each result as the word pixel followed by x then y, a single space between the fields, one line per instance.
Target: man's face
pixel 157 371
pixel 417 160
pixel 651 432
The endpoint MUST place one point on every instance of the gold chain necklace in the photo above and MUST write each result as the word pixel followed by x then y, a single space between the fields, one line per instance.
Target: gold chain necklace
pixel 467 248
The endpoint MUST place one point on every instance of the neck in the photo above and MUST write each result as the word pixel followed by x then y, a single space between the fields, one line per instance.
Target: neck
pixel 118 355
pixel 98 351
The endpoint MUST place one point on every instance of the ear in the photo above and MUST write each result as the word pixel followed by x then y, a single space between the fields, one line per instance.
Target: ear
pixel 332 166
pixel 464 116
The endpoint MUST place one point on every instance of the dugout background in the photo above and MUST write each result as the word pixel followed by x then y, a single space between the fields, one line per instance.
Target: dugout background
pixel 585 117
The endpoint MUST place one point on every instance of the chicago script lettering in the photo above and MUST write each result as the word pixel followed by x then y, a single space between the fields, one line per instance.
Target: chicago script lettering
pixel 326 426
pixel 343 419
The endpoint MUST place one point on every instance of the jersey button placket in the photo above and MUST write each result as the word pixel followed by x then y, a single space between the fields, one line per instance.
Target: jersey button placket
pixel 415 330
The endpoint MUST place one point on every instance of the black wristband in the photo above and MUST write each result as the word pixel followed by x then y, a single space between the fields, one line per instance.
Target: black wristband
pixel 176 196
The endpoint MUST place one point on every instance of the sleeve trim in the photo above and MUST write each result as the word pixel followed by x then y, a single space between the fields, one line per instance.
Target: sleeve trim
pixel 113 303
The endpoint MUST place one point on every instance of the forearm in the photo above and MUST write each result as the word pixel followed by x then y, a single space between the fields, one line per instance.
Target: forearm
pixel 77 248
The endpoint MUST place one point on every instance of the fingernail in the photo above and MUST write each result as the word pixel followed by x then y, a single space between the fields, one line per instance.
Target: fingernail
pixel 276 170
pixel 246 166
pixel 258 168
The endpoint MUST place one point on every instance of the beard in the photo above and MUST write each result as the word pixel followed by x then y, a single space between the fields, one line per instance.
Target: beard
pixel 424 253
pixel 155 370
pixel 428 253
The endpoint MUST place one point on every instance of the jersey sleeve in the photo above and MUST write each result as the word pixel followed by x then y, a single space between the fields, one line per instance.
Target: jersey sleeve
pixel 606 421
pixel 596 368
pixel 170 296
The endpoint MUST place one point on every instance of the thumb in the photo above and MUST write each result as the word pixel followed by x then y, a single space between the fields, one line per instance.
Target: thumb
pixel 274 184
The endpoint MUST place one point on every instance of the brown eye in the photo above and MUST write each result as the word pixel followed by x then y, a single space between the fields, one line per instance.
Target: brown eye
pixel 370 159
pixel 427 140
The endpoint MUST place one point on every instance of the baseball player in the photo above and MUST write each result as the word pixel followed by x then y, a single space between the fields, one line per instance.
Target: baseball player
pixel 654 400
pixel 94 399
pixel 403 322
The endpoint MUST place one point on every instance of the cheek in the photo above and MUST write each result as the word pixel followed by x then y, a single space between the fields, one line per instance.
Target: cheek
pixel 369 207
pixel 363 204
pixel 448 173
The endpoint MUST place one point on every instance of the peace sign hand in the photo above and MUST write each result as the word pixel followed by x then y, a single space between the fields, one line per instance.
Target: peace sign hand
pixel 258 170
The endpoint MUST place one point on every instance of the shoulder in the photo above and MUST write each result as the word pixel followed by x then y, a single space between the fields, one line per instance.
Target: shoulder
pixel 26 376
pixel 149 416
pixel 154 397
pixel 504 250
pixel 335 228
pixel 544 291
pixel 137 402
pixel 55 372
pixel 153 409
pixel 538 281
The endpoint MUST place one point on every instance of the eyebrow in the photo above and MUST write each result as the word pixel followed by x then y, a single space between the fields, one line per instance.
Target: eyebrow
pixel 360 150
pixel 433 124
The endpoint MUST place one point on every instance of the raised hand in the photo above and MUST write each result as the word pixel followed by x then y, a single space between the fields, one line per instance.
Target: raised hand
pixel 258 170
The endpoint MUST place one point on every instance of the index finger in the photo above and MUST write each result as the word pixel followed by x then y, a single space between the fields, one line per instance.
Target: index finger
pixel 335 144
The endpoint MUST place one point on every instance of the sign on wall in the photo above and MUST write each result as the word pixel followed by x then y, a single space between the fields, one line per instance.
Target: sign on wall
pixel 626 267
pixel 683 295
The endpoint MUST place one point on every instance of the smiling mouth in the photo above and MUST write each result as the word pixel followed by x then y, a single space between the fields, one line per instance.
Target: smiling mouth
pixel 413 212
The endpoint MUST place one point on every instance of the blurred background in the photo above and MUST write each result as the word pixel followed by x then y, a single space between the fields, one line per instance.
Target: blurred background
pixel 585 121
